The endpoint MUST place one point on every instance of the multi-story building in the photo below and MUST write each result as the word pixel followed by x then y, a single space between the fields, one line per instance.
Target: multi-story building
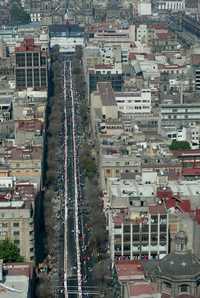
pixel 28 132
pixel 16 224
pixel 134 102
pixel 165 41
pixel 173 5
pixel 174 113
pixel 25 163
pixel 31 66
pixel 177 274
pixel 144 8
pixel 142 33
pixel 197 77
pixel 105 73
pixel 141 234
pixel 67 36
pixel 114 165
pixel 189 134
pixel 5 107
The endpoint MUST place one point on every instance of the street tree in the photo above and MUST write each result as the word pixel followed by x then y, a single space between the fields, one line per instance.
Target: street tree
pixel 9 252
pixel 179 145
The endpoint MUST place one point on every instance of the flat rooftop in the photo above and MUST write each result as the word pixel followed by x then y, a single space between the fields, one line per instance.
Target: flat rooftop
pixel 122 188
pixel 188 99
pixel 107 94
pixel 14 287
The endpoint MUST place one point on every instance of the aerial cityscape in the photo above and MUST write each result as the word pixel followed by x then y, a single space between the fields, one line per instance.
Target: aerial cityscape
pixel 100 149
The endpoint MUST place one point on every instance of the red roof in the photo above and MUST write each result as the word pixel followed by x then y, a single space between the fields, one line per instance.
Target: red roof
pixel 118 219
pixel 157 209
pixel 140 288
pixel 103 66
pixel 127 269
pixel 131 56
pixel 191 152
pixel 197 216
pixel 182 205
pixel 163 193
pixel 163 35
pixel 19 269
pixel 165 296
pixel 158 26
pixel 29 125
pixel 28 46
pixel 191 172
pixel 185 206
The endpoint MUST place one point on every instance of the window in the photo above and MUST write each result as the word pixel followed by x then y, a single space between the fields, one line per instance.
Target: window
pixel 16 233
pixel 16 242
pixel 20 77
pixel 117 247
pixel 136 229
pixel 29 78
pixel 20 59
pixel 35 59
pixel 127 229
pixel 43 77
pixel 184 288
pixel 108 171
pixel 127 238
pixel 145 237
pixel 126 247
pixel 166 285
pixel 136 238
pixel 118 237
pixel 29 59
pixel 15 224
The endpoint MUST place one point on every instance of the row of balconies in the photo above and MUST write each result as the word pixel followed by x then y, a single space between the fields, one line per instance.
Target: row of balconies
pixel 161 248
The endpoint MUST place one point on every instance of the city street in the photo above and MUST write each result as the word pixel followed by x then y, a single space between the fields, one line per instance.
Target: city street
pixel 77 279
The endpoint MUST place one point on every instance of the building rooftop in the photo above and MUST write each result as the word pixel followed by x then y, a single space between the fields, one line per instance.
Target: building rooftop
pixel 23 153
pixel 175 99
pixel 28 45
pixel 66 30
pixel 177 265
pixel 5 100
pixel 29 125
pixel 11 204
pixel 16 280
pixel 129 270
pixel 107 94
pixel 142 288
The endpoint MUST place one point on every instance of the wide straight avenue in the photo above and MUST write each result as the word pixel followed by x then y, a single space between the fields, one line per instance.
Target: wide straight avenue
pixel 76 281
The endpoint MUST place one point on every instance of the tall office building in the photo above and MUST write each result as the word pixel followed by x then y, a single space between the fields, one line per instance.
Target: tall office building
pixel 31 66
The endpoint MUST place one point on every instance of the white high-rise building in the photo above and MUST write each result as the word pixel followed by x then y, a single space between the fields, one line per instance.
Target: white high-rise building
pixel 144 7
pixel 172 5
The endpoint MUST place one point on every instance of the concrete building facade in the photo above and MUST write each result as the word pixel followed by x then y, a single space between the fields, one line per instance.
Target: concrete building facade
pixel 16 224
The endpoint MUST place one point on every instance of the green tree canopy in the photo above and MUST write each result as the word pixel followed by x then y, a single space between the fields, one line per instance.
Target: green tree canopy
pixel 87 163
pixel 179 145
pixel 9 252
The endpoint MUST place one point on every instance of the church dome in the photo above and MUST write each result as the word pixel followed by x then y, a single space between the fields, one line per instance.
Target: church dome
pixel 178 265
